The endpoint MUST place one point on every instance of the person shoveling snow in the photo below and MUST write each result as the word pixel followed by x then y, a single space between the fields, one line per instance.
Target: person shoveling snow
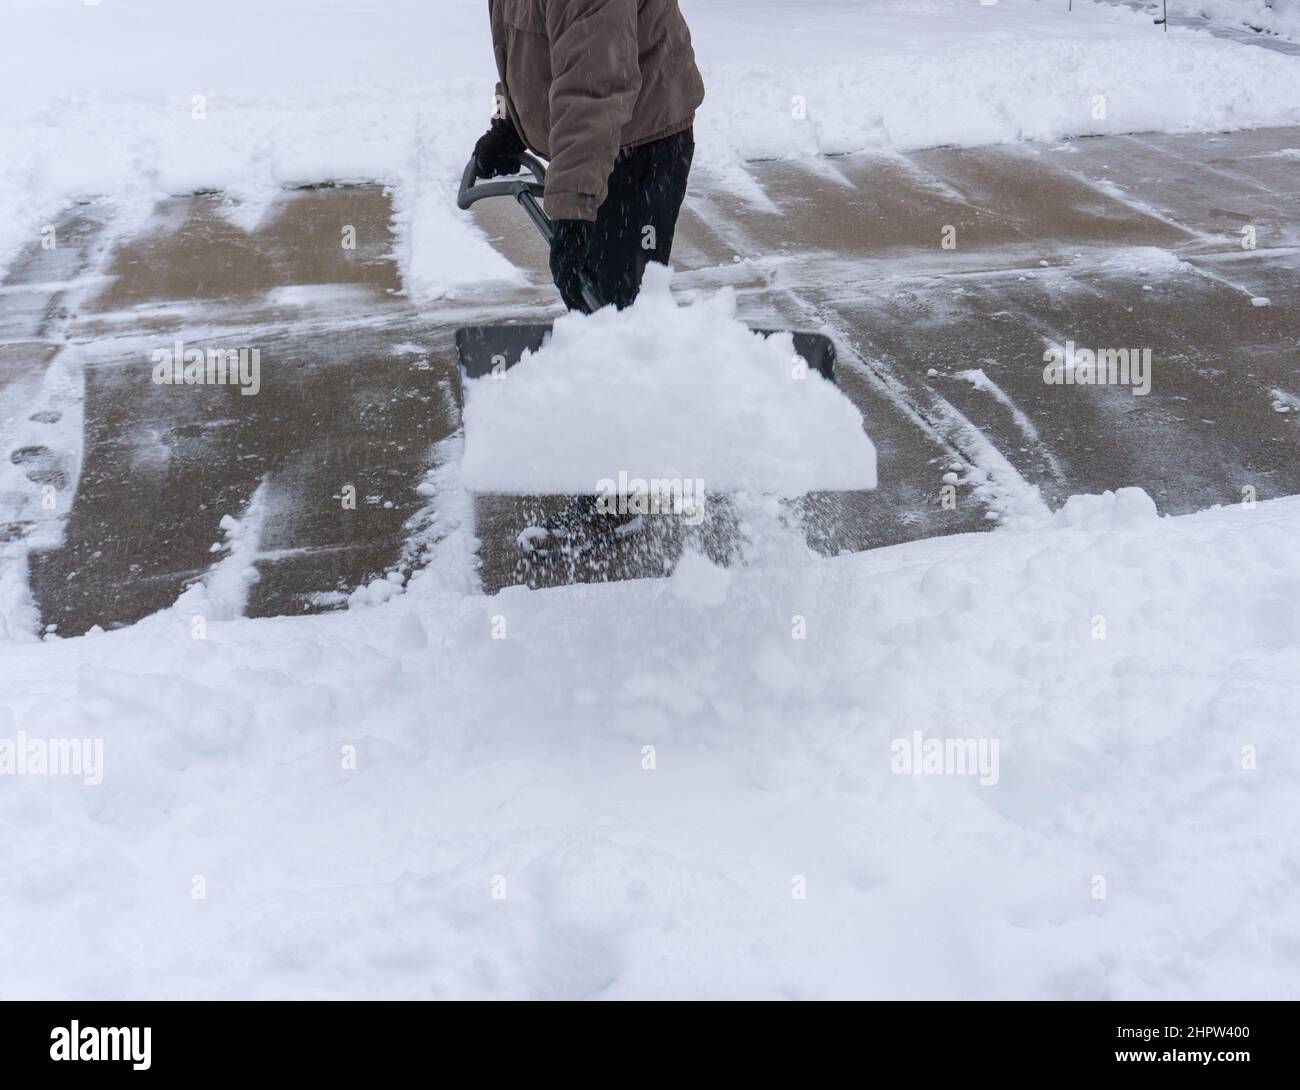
pixel 607 91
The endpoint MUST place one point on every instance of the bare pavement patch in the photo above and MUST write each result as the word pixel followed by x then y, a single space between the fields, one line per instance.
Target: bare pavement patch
pixel 947 279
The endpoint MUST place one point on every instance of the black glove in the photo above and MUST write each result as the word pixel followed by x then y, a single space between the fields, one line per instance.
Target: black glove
pixel 498 149
pixel 569 260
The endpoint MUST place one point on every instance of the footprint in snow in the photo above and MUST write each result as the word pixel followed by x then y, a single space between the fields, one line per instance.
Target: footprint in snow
pixel 40 465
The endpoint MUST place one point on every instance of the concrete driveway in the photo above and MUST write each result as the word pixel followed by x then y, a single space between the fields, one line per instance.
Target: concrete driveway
pixel 943 276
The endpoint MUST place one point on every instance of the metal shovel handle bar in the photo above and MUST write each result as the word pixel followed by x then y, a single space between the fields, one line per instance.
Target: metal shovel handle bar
pixel 472 190
pixel 529 193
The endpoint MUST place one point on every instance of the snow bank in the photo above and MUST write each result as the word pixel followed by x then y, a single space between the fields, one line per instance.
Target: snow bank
pixel 963 75
pixel 144 99
pixel 661 391
pixel 705 786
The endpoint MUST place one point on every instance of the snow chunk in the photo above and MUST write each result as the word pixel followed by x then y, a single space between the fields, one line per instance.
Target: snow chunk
pixel 1128 507
pixel 976 377
pixel 697 580
pixel 663 391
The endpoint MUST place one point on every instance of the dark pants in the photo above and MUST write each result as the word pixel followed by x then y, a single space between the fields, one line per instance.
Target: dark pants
pixel 637 222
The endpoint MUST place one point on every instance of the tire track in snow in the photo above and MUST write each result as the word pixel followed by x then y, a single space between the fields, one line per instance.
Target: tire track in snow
pixel 997 482
pixel 978 378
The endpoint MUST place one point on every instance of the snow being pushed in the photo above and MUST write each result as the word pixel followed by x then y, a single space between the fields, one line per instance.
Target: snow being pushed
pixel 662 391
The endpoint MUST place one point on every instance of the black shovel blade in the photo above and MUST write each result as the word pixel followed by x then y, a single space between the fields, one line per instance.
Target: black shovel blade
pixel 483 350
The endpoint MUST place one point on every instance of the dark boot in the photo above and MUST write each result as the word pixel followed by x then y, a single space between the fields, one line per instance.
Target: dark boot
pixel 580 528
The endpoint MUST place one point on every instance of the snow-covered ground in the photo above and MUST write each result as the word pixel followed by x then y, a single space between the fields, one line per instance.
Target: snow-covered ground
pixel 137 98
pixel 723 783
pixel 693 787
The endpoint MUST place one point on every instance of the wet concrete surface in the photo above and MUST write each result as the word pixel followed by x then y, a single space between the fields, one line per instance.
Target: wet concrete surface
pixel 331 412
pixel 1205 431
pixel 942 276
pixel 191 251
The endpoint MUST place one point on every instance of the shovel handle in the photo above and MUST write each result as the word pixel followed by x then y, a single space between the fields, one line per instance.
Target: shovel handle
pixel 529 193
pixel 472 190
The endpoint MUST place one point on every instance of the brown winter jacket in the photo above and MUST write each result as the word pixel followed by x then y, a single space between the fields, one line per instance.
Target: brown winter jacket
pixel 583 78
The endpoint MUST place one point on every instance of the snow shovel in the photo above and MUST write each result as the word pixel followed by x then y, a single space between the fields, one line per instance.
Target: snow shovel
pixel 482 350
